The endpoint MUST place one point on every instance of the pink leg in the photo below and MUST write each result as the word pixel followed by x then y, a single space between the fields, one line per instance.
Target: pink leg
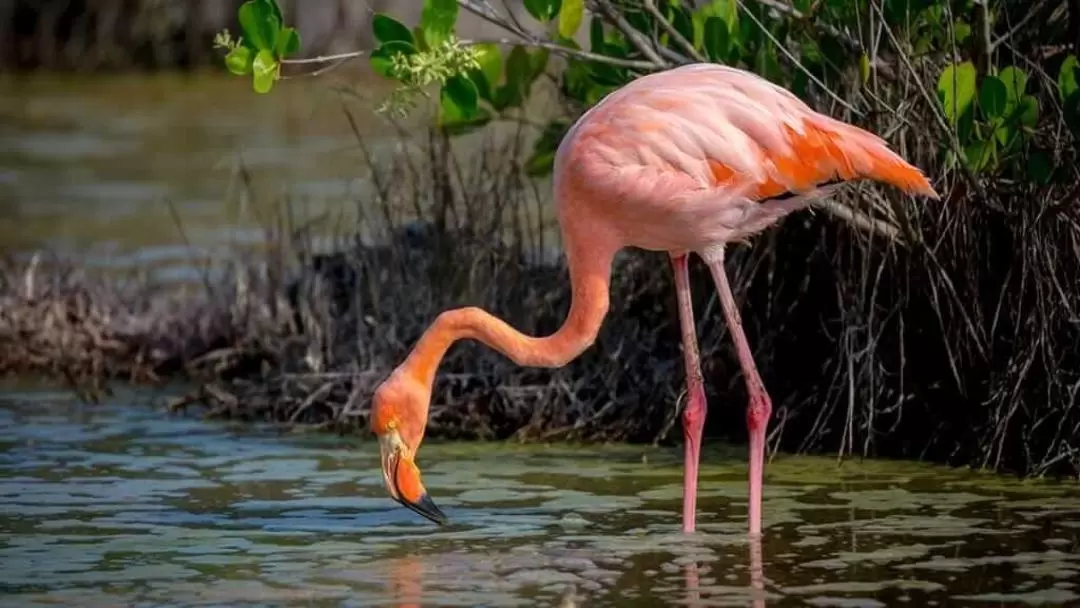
pixel 757 415
pixel 694 412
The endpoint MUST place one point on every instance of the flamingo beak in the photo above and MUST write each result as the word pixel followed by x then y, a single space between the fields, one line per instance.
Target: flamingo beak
pixel 427 507
pixel 402 478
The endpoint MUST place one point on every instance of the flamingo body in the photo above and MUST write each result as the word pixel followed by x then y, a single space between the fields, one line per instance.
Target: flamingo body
pixel 682 161
pixel 685 159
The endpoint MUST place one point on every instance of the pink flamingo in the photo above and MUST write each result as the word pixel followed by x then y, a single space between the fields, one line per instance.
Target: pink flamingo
pixel 680 161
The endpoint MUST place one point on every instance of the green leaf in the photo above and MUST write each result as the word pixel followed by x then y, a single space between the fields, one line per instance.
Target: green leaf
pixel 239 60
pixel 260 21
pixel 380 58
pixel 538 61
pixel 288 42
pixel 597 43
pixel 275 11
pixel 728 10
pixel 518 70
pixel 1015 81
pixel 542 159
pixel 543 10
pixel 1005 133
pixel 419 42
pixel 462 126
pixel 1029 111
pixel 387 29
pixel 978 155
pixel 1069 77
pixel 437 20
pixel 1071 109
pixel 992 97
pixel 864 68
pixel 264 70
pixel 597 92
pixel 962 31
pixel 716 38
pixel 683 22
pixel 540 164
pixel 1040 167
pixel 490 59
pixel 956 89
pixel 459 98
pixel 570 17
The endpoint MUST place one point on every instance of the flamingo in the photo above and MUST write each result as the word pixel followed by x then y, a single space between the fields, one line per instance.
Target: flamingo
pixel 681 161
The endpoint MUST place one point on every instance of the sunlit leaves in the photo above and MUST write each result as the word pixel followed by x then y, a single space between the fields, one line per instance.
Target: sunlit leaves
pixel 240 60
pixel 543 10
pixel 1068 81
pixel 260 22
pixel 1015 81
pixel 487 75
pixel 264 42
pixel 264 69
pixel 571 15
pixel 956 89
pixel 387 29
pixel 716 37
pixel 1069 77
pixel 995 132
pixel 459 100
pixel 437 20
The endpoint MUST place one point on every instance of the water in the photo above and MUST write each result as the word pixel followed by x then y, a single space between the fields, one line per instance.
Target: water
pixel 119 504
pixel 108 164
pixel 144 171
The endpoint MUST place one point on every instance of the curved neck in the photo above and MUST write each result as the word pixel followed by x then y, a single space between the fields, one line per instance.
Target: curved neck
pixel 590 278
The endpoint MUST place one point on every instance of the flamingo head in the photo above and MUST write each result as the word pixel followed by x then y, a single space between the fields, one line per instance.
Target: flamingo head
pixel 398 417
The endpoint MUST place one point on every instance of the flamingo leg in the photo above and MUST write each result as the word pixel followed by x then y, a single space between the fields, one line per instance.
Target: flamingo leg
pixel 757 415
pixel 694 412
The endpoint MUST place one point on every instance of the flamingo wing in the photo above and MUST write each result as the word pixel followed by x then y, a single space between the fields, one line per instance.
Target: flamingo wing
pixel 708 128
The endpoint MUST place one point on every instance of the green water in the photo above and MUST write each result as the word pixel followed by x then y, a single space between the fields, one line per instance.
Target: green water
pixel 167 172
pixel 120 505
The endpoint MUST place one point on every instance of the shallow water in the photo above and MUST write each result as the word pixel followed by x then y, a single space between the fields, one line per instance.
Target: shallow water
pixel 119 504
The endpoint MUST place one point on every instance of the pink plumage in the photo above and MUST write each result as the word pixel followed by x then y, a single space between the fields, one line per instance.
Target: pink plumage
pixel 681 159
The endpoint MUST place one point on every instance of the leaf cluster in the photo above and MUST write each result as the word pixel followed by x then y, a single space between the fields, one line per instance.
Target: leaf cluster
pixel 264 41
pixel 808 46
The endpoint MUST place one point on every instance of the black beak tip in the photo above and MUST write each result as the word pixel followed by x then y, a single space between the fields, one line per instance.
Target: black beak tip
pixel 426 507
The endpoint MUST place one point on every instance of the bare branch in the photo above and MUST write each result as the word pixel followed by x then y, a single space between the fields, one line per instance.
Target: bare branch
pixel 636 38
pixel 797 63
pixel 860 220
pixel 551 46
pixel 790 11
pixel 650 5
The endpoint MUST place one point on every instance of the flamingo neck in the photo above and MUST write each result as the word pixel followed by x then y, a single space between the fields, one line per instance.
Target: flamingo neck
pixel 590 278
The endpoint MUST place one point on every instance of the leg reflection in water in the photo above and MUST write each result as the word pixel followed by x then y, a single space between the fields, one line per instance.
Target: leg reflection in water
pixel 692 578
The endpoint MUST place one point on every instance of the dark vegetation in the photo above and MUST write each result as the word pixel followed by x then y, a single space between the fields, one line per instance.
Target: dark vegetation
pixel 883 325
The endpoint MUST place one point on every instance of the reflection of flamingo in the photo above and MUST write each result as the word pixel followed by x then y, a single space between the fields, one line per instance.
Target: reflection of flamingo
pixel 679 161
pixel 692 578
pixel 406 574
